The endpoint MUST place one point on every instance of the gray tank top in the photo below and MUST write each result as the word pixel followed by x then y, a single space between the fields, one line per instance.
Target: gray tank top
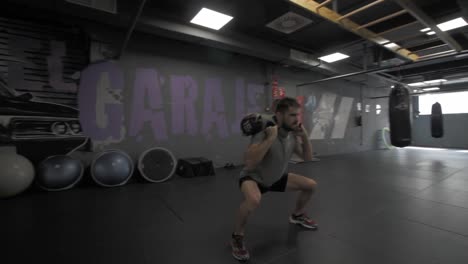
pixel 275 162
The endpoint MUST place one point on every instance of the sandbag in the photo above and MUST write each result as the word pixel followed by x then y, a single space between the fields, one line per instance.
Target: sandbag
pixel 253 123
pixel 400 118
pixel 437 121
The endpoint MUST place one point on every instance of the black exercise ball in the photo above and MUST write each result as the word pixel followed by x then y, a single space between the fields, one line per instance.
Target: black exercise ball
pixel 111 168
pixel 58 173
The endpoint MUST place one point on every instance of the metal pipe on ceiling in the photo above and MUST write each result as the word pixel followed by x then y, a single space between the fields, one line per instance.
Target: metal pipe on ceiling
pixel 408 37
pixel 433 47
pixel 131 28
pixel 438 53
pixel 407 65
pixel 427 92
pixel 360 9
pixel 397 28
pixel 385 18
pixel 439 72
pixel 423 42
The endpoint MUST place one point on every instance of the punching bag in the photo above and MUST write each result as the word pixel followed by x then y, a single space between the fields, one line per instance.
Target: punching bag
pixel 399 114
pixel 437 121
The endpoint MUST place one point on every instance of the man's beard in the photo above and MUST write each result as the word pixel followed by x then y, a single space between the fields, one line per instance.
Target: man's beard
pixel 287 128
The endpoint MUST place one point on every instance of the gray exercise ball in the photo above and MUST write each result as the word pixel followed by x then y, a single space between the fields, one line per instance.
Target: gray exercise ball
pixel 112 168
pixel 16 174
pixel 58 173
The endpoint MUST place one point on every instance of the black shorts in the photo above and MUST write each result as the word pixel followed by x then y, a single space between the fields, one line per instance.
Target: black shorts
pixel 278 186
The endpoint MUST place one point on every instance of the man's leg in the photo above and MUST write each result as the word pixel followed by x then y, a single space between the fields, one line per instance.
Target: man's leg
pixel 306 188
pixel 252 197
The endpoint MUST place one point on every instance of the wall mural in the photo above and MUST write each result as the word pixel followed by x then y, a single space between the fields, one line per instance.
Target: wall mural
pixel 103 107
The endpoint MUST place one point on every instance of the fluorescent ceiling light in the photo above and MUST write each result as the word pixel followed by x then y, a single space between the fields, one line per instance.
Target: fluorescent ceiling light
pixel 427 82
pixel 435 81
pixel 383 41
pixel 431 89
pixel 211 19
pixel 391 45
pixel 425 29
pixel 334 57
pixel 431 33
pixel 452 24
pixel 416 84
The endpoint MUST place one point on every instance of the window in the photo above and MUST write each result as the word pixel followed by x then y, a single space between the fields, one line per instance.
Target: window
pixel 452 103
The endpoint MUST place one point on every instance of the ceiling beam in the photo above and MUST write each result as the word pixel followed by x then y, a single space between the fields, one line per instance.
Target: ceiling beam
pixel 324 3
pixel 360 9
pixel 350 25
pixel 382 19
pixel 426 20
pixel 397 28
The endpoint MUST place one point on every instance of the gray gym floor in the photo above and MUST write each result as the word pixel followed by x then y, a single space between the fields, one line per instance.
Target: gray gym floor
pixel 394 206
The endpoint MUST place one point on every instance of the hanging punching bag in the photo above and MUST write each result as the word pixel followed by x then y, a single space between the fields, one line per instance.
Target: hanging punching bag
pixel 399 114
pixel 437 121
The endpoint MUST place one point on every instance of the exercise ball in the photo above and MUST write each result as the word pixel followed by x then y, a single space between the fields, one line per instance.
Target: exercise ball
pixel 16 174
pixel 58 173
pixel 157 164
pixel 111 168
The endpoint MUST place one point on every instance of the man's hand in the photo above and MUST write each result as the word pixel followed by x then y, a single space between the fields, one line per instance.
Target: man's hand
pixel 271 132
pixel 301 131
pixel 303 147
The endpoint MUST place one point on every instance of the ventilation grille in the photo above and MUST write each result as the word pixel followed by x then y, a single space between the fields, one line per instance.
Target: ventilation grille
pixel 103 5
pixel 289 23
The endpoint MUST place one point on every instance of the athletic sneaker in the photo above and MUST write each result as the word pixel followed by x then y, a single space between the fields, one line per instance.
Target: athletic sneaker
pixel 239 251
pixel 303 220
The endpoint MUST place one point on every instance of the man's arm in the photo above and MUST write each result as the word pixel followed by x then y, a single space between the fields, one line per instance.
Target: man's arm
pixel 303 146
pixel 260 146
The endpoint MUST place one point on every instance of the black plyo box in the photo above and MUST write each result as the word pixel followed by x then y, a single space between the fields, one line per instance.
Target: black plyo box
pixel 194 167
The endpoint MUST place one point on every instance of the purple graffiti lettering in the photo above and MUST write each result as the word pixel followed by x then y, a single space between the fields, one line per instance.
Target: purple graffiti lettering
pixel 213 112
pixel 148 89
pixel 183 107
pixel 91 78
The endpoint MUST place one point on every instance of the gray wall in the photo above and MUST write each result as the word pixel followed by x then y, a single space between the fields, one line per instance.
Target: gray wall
pixel 189 99
pixel 455 127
